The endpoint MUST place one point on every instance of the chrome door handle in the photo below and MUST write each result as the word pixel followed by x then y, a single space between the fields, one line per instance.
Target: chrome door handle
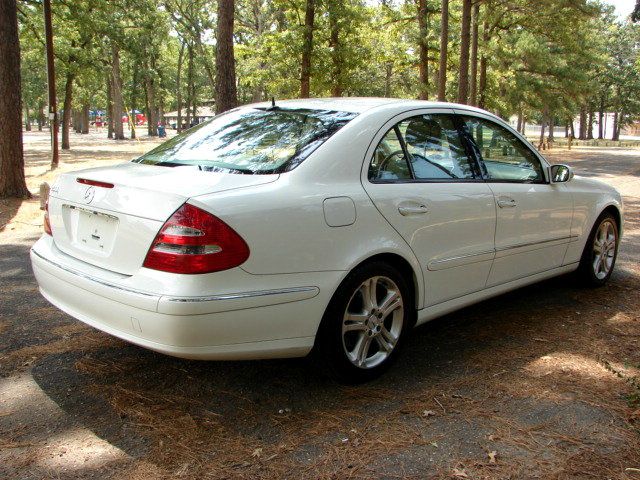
pixel 406 210
pixel 506 202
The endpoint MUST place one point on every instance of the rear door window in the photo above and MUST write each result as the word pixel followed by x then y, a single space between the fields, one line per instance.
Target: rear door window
pixel 422 148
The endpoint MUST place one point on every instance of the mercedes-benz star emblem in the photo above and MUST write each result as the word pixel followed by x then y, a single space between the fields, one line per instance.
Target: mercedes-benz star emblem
pixel 89 193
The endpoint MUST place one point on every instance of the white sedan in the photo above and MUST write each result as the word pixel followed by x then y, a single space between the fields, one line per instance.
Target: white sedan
pixel 326 226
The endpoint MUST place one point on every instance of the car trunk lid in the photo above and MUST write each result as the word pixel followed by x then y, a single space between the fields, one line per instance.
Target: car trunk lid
pixel 109 216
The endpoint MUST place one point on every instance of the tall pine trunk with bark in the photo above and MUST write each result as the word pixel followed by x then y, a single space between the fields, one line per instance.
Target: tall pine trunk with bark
pixel 179 87
pixel 444 48
pixel 66 114
pixel 473 84
pixel 307 50
pixel 12 181
pixel 482 82
pixel 109 106
pixel 583 123
pixel 423 49
pixel 336 50
pixel 116 95
pixel 465 39
pixel 226 94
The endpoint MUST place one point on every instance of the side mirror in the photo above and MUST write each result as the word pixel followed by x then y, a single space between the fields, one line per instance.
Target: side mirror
pixel 561 173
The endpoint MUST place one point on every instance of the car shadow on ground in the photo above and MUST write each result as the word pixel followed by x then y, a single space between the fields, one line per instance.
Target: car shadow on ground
pixel 533 360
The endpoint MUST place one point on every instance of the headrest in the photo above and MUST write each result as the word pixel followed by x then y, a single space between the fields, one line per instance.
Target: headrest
pixel 422 131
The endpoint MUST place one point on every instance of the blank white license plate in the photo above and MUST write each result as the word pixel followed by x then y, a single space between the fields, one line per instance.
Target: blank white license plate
pixel 96 231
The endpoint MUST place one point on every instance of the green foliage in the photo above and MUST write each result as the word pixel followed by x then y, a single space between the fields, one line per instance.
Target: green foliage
pixel 553 56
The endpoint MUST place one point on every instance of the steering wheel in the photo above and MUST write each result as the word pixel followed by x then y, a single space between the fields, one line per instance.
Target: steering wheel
pixel 386 159
pixel 437 165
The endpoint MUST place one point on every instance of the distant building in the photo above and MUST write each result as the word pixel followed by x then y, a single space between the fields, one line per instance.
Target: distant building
pixel 203 112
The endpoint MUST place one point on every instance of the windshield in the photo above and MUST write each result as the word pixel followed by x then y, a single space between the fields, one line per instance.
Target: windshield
pixel 255 141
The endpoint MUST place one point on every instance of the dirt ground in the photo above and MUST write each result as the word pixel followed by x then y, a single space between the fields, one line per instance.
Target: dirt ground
pixel 543 382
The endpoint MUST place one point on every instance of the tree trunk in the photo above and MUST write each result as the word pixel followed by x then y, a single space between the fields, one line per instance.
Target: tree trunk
pixel 444 46
pixel 12 181
pixel 551 124
pixel 590 124
pixel 583 123
pixel 226 94
pixel 66 114
pixel 85 119
pixel 423 49
pixel 27 119
pixel 572 128
pixel 40 116
pixel 473 86
pixel 133 120
pixel 116 82
pixel 482 83
pixel 617 121
pixel 190 88
pixel 601 121
pixel 76 121
pixel 109 107
pixel 179 88
pixel 519 127
pixel 336 51
pixel 542 130
pixel 152 118
pixel 463 74
pixel 307 49
pixel 387 78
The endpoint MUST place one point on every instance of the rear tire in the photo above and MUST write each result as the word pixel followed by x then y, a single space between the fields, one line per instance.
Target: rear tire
pixel 365 324
pixel 600 252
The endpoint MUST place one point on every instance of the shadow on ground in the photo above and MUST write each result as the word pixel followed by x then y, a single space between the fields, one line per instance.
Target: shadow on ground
pixel 523 375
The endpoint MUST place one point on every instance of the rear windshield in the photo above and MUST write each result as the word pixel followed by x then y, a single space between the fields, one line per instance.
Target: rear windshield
pixel 255 141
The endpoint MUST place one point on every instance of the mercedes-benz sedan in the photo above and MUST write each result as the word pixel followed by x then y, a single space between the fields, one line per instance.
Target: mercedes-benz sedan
pixel 327 226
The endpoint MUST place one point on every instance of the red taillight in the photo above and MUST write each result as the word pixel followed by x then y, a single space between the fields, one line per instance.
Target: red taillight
pixel 194 241
pixel 47 225
pixel 95 183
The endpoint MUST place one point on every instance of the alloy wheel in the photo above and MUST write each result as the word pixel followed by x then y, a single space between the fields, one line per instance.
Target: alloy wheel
pixel 372 322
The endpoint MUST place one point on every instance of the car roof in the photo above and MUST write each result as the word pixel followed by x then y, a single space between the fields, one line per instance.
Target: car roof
pixel 360 104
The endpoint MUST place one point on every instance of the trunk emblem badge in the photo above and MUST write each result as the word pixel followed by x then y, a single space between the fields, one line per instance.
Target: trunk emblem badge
pixel 89 193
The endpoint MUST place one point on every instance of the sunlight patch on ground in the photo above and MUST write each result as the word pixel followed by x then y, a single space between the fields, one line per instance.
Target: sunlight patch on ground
pixel 31 409
pixel 560 362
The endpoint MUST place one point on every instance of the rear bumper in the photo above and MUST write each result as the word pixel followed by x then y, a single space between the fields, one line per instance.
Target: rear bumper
pixel 263 321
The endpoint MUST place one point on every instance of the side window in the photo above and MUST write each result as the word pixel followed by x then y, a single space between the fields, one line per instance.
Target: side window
pixel 389 161
pixel 505 156
pixel 432 150
pixel 435 148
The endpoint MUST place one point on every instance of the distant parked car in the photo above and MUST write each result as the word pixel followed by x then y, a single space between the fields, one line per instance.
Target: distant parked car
pixel 329 226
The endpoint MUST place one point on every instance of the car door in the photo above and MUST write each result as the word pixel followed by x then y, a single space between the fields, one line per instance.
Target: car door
pixel 423 180
pixel 534 216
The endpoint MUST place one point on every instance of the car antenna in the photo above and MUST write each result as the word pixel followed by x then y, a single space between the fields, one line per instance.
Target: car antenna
pixel 273 104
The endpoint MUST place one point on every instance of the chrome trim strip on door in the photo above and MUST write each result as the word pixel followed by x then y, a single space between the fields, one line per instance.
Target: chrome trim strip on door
pixel 460 260
pixel 531 244
pixel 240 295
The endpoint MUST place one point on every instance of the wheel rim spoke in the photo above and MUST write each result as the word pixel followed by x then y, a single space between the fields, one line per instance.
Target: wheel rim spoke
pixel 390 303
pixel 362 349
pixel 386 340
pixel 354 322
pixel 368 291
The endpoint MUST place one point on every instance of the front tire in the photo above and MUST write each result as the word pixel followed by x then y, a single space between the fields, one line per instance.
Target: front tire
pixel 600 252
pixel 365 324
